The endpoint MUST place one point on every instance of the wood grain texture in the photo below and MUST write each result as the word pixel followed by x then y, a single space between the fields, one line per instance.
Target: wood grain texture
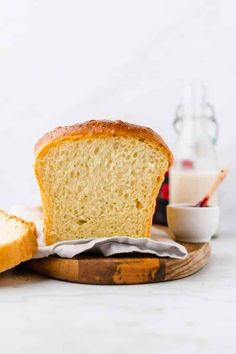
pixel 138 269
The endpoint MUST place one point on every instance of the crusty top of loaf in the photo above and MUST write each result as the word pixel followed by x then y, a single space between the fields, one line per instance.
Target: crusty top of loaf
pixel 102 128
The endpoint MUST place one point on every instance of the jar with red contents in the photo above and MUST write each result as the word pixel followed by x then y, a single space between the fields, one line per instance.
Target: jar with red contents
pixel 159 216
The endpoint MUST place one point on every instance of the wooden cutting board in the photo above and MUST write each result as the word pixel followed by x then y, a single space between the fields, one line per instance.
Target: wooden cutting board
pixel 138 269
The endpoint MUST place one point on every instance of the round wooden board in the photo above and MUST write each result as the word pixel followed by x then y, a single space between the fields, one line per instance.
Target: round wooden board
pixel 138 269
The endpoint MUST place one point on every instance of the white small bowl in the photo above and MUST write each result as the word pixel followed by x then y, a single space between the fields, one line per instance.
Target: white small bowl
pixel 192 224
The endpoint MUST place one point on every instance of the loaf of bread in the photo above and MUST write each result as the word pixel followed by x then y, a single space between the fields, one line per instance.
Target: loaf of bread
pixel 18 241
pixel 99 178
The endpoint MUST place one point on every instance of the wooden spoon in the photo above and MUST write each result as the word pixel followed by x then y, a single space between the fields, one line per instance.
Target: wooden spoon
pixel 219 178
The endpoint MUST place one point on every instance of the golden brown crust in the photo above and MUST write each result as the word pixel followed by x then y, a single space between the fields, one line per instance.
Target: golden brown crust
pixel 102 128
pixel 21 249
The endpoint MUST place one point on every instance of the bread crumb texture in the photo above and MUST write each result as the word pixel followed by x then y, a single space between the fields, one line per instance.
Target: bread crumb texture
pixel 10 228
pixel 18 241
pixel 96 187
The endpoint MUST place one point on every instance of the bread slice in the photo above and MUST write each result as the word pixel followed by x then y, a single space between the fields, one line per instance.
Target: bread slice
pixel 99 178
pixel 18 241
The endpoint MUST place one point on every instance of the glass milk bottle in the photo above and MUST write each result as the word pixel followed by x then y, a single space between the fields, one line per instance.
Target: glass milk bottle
pixel 195 158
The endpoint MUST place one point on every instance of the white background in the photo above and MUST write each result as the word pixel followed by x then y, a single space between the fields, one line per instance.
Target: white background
pixel 67 61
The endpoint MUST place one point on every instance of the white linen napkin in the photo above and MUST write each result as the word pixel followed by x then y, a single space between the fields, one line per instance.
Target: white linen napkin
pixel 162 246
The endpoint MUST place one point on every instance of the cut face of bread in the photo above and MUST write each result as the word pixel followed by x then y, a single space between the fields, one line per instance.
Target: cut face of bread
pixel 18 241
pixel 103 182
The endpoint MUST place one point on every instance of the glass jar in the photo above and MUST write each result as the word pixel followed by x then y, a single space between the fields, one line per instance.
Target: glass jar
pixel 195 157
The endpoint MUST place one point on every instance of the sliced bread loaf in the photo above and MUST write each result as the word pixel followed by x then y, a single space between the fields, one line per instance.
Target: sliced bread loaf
pixel 18 241
pixel 99 178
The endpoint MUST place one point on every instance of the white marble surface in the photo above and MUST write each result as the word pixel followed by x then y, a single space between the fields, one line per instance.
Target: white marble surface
pixel 193 315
